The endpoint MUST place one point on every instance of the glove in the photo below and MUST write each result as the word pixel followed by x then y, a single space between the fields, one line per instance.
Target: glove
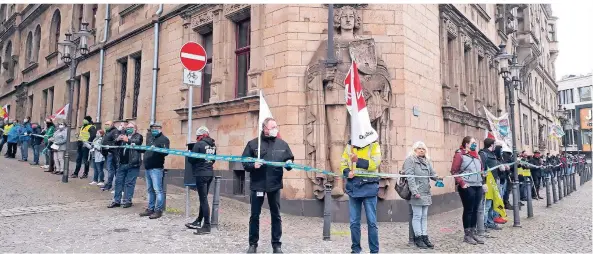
pixel 439 184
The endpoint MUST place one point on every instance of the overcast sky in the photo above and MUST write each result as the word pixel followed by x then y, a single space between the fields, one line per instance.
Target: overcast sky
pixel 575 37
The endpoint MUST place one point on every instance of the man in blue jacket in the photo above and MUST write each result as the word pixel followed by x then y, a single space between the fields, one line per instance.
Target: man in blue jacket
pixel 25 137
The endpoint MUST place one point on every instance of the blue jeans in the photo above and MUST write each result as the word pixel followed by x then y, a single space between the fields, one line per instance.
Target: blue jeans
pixel 36 153
pixel 25 149
pixel 154 188
pixel 111 169
pixel 370 208
pixel 125 180
pixel 99 175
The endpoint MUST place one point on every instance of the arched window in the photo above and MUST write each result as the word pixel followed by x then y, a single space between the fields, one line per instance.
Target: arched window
pixel 36 43
pixel 56 22
pixel 7 64
pixel 29 47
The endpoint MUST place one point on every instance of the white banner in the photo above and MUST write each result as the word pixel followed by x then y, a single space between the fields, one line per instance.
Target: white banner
pixel 362 133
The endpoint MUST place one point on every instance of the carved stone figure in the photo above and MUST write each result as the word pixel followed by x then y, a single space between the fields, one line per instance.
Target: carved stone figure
pixel 326 131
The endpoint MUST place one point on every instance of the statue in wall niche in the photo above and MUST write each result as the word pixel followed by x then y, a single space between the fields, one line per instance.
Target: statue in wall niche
pixel 327 127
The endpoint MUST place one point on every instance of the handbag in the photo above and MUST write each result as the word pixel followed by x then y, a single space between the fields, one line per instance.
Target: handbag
pixel 402 188
pixel 54 146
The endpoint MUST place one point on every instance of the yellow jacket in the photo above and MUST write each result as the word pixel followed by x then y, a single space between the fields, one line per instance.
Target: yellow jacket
pixel 7 129
pixel 369 159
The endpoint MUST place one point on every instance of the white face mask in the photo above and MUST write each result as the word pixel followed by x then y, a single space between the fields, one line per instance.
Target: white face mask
pixel 120 127
pixel 26 120
pixel 61 126
pixel 273 132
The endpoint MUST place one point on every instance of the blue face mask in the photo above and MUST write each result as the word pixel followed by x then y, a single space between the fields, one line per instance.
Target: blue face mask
pixel 473 146
pixel 155 132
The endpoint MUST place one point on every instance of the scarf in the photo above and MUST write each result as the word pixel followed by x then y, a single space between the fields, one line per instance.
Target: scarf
pixel 472 153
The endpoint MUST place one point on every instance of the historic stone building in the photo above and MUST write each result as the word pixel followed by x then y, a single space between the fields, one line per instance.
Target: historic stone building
pixel 427 71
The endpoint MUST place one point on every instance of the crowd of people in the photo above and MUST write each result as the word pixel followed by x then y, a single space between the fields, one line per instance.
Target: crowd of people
pixel 471 167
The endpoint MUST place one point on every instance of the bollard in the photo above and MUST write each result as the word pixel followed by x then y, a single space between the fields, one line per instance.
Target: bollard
pixel 187 207
pixel 480 225
pixel 565 184
pixel 410 227
pixel 554 188
pixel 560 187
pixel 327 212
pixel 574 181
pixel 548 191
pixel 215 203
pixel 529 200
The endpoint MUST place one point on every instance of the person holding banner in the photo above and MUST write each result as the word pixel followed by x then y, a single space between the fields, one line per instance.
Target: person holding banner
pixel 266 180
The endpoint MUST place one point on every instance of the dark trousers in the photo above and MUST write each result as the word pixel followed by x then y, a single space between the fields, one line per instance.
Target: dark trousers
pixel 203 186
pixel 256 204
pixel 3 141
pixel 82 155
pixel 11 152
pixel 536 174
pixel 470 198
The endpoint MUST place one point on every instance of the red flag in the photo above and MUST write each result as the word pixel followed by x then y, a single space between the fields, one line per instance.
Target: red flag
pixel 62 113
pixel 4 112
pixel 362 133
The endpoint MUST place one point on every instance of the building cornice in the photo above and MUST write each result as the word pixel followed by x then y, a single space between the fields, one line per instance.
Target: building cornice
pixel 450 12
pixel 34 14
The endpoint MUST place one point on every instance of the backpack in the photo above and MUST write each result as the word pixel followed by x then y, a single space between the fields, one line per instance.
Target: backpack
pixel 402 188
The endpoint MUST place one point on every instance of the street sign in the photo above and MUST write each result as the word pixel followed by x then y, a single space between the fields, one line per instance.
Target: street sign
pixel 192 78
pixel 193 56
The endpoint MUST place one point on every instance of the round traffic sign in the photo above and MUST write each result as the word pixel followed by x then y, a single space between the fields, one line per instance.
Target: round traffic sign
pixel 193 56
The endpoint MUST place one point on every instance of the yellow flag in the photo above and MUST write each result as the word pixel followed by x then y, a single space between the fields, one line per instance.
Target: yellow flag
pixel 494 195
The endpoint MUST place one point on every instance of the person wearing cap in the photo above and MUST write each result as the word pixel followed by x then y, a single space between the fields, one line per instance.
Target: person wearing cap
pixel 128 169
pixel 203 171
pixel 112 131
pixel 86 135
pixel 154 163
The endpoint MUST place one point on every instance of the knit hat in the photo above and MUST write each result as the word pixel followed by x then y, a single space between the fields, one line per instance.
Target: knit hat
pixel 88 118
pixel 202 130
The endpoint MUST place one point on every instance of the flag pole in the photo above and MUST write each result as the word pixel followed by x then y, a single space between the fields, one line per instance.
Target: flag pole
pixel 259 128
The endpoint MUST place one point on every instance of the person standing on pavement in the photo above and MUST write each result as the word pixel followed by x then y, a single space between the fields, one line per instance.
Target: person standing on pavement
pixel 59 146
pixel 86 134
pixel 417 163
pixel 154 163
pixel 112 132
pixel 266 180
pixel 6 129
pixel 2 133
pixel 362 191
pixel 203 171
pixel 536 174
pixel 48 133
pixel 490 161
pixel 471 187
pixel 98 159
pixel 25 138
pixel 13 139
pixel 127 172
pixel 36 141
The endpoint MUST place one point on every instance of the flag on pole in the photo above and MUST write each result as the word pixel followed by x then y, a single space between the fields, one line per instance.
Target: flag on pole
pixel 4 112
pixel 264 112
pixel 62 113
pixel 361 132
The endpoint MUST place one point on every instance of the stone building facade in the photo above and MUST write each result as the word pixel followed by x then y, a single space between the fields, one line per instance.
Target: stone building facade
pixel 428 71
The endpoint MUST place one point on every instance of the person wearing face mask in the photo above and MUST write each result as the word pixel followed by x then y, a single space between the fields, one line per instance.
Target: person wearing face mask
pixel 203 171
pixel 25 138
pixel 13 139
pixel 489 157
pixel 127 172
pixel 48 133
pixel 98 159
pixel 36 143
pixel 59 147
pixel 6 129
pixel 471 187
pixel 85 135
pixel 154 163
pixel 266 180
pixel 112 132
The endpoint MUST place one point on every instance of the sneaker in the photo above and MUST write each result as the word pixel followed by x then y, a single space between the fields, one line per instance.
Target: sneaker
pixel 93 183
pixel 112 192
pixel 499 220
pixel 146 212
pixel 206 230
pixel 127 205
pixel 45 166
pixel 101 184
pixel 156 215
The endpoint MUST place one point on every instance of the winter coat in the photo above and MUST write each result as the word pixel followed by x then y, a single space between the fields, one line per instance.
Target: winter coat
pixel 465 162
pixel 110 139
pixel 24 132
pixel 200 167
pixel 489 161
pixel 156 159
pixel 59 139
pixel 48 133
pixel 414 165
pixel 132 158
pixel 36 140
pixel 96 149
pixel 267 178
pixel 369 160
pixel 13 134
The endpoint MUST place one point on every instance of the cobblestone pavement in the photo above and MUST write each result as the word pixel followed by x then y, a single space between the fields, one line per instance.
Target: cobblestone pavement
pixel 38 213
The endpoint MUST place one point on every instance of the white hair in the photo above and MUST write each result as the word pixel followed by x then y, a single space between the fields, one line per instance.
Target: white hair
pixel 418 144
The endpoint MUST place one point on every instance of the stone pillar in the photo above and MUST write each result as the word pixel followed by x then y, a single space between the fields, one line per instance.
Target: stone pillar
pixel 445 80
pixel 256 63
pixel 219 56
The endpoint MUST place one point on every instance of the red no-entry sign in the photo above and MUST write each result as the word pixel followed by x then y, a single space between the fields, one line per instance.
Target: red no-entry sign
pixel 193 56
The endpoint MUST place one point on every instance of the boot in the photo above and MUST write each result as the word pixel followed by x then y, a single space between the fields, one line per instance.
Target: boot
pixel 146 212
pixel 419 241
pixel 474 234
pixel 252 249
pixel 156 215
pixel 277 249
pixel 468 237
pixel 427 242
pixel 194 225
pixel 204 230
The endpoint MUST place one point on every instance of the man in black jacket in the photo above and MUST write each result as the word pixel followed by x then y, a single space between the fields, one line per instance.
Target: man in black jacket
pixel 489 161
pixel 112 132
pixel 266 180
pixel 36 143
pixel 154 163
pixel 536 174
pixel 129 167
pixel 86 133
pixel 203 171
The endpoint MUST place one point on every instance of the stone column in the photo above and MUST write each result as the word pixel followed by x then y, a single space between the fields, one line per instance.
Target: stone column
pixel 219 57
pixel 444 45
pixel 256 63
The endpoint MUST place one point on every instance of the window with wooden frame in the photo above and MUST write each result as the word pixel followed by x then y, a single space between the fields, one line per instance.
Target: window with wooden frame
pixel 207 73
pixel 242 55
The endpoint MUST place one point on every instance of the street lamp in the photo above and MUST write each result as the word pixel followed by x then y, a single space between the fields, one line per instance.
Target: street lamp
pixel 510 75
pixel 71 52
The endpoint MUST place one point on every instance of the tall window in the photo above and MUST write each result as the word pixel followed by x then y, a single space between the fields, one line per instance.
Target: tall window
pixel 242 54
pixel 56 22
pixel 124 76
pixel 534 127
pixel 36 43
pixel 80 15
pixel 51 100
pixel 207 76
pixel 137 75
pixel 45 106
pixel 87 80
pixel 93 24
pixel 525 129
pixel 30 106
pixel 585 93
pixel 29 47
pixel 76 115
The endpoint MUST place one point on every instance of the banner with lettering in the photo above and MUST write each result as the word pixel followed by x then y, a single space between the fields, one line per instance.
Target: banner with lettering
pixel 362 133
pixel 500 127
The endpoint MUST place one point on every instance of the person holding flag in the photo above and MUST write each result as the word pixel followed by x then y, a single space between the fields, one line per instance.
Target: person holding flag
pixel 361 156
pixel 5 130
pixel 492 198
pixel 266 179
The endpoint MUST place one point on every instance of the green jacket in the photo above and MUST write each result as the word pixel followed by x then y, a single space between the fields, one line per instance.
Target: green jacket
pixel 49 133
